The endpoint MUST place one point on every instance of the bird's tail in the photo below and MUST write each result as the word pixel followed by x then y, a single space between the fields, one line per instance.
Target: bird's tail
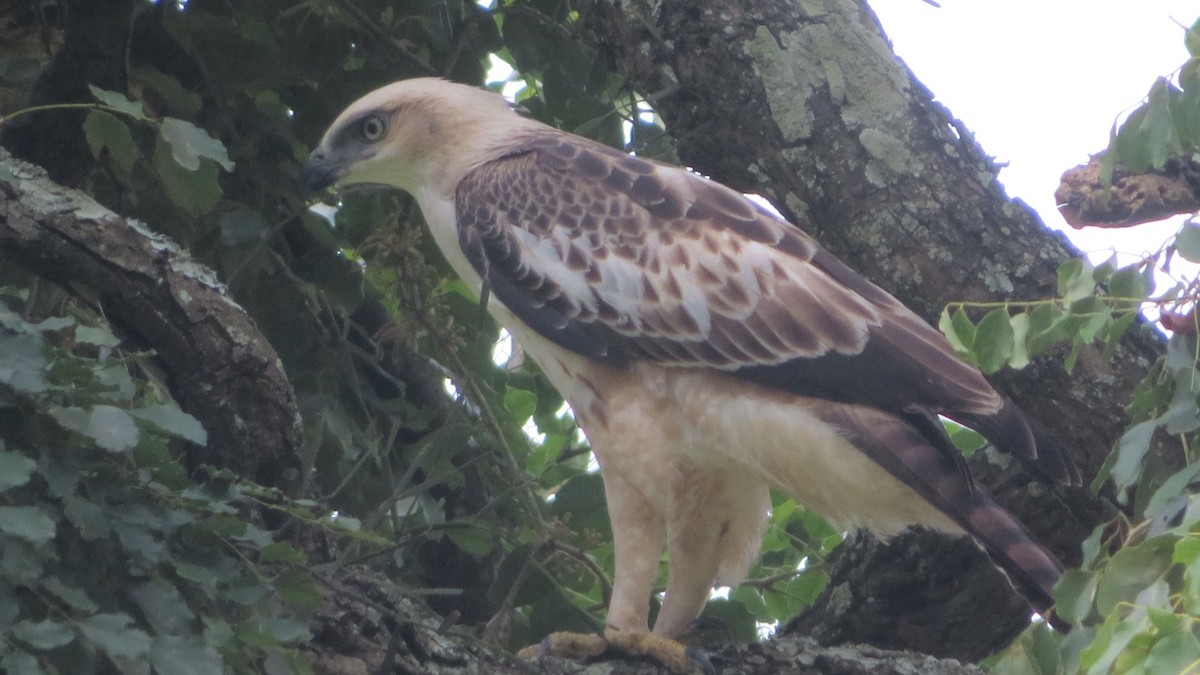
pixel 1012 432
pixel 930 465
pixel 1031 569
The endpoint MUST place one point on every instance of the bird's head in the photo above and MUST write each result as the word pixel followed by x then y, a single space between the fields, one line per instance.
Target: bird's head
pixel 407 135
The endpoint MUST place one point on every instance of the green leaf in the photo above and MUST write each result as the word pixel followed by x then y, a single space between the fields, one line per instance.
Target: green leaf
pixel 20 663
pixel 164 607
pixel 96 335
pixel 1187 550
pixel 807 586
pixel 296 587
pixel 735 620
pixel 286 630
pixel 520 403
pixel 1124 464
pixel 75 597
pixel 180 100
pixel 105 132
pixel 1170 492
pixel 91 521
pixel 195 191
pixel 1178 652
pixel 1131 570
pixel 119 101
pixel 950 330
pixel 1091 547
pixel 1074 594
pixel 1191 38
pixel 27 522
pixel 581 501
pixel 968 441
pixel 44 635
pixel 1047 328
pixel 189 143
pixel 113 429
pixel 751 598
pixel 1020 347
pixel 1090 315
pixel 1114 634
pixel 112 633
pixel 1164 620
pixel 15 469
pixel 1156 129
pixel 281 551
pixel 1075 279
pixel 22 364
pixel 475 540
pixel 993 341
pixel 224 525
pixel 541 456
pixel 1182 414
pixel 184 655
pixel 1129 282
pixel 1116 330
pixel 174 421
pixel 1187 242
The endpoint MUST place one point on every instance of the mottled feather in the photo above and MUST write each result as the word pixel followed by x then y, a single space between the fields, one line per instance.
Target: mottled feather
pixel 646 261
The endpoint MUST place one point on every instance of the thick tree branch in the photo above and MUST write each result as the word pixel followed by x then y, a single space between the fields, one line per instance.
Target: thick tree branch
pixel 220 368
pixel 1131 199
pixel 368 618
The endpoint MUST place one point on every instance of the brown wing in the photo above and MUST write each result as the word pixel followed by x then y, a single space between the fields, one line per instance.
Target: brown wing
pixel 618 258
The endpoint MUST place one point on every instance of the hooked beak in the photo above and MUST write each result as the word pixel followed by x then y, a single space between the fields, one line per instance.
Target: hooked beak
pixel 319 172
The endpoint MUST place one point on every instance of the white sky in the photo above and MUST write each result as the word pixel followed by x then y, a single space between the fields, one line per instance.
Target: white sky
pixel 1040 83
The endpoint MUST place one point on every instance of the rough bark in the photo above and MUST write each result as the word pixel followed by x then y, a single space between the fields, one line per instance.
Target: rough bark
pixel 806 104
pixel 219 367
pixel 370 627
pixel 1129 199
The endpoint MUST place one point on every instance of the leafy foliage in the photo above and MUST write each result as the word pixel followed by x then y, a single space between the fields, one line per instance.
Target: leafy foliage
pixel 1133 602
pixel 109 554
pixel 1165 126
pixel 1094 305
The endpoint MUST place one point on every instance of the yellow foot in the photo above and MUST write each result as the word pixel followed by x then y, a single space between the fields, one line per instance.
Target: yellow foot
pixel 676 657
pixel 576 646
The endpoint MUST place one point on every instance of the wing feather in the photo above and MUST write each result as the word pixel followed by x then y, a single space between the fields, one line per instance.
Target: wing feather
pixel 619 259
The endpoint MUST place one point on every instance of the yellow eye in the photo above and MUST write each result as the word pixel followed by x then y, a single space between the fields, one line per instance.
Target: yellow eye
pixel 372 129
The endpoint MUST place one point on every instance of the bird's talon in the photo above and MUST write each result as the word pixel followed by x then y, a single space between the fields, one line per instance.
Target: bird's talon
pixel 698 658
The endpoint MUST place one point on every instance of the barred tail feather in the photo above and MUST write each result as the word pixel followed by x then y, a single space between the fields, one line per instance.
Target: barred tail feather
pixel 1031 569
pixel 928 464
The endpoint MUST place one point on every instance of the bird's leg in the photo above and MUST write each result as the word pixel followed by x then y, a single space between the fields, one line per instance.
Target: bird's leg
pixel 638 533
pixel 700 516
pixel 628 610
pixel 714 527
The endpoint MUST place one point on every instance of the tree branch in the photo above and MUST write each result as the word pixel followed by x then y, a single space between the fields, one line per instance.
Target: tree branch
pixel 220 368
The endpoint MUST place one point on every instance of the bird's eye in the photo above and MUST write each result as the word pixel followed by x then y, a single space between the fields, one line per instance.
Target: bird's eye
pixel 372 129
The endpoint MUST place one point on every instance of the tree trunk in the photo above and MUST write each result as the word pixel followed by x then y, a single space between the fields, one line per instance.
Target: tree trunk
pixel 806 104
